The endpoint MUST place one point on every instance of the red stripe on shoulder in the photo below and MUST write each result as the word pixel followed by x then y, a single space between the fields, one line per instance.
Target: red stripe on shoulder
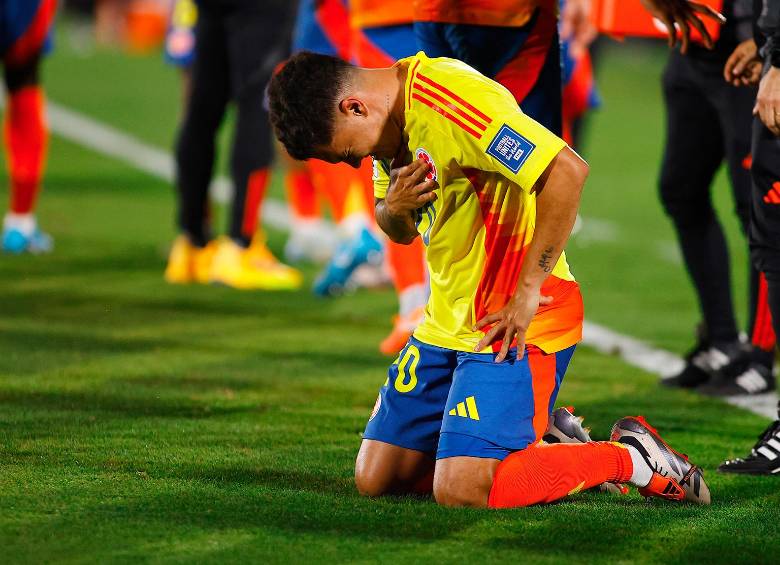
pixel 431 104
pixel 411 81
pixel 450 105
pixel 454 96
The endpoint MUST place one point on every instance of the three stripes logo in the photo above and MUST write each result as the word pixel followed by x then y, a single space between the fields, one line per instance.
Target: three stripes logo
pixel 467 409
pixel 773 196
pixel 449 105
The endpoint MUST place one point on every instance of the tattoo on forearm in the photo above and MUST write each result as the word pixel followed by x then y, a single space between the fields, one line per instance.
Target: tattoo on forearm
pixel 544 260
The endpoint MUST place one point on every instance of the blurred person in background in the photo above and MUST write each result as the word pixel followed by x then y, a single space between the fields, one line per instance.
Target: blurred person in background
pixel 382 33
pixel 708 121
pixel 764 458
pixel 323 26
pixel 179 49
pixel 25 27
pixel 238 43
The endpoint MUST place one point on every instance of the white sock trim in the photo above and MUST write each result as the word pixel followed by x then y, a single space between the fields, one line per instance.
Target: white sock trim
pixel 642 472
pixel 25 223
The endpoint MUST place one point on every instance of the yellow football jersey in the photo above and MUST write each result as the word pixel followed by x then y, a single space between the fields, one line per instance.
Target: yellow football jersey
pixel 486 156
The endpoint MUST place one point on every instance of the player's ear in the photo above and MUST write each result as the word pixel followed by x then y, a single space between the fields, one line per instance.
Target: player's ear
pixel 352 106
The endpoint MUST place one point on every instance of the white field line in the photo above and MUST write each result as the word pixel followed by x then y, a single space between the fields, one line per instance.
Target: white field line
pixel 109 141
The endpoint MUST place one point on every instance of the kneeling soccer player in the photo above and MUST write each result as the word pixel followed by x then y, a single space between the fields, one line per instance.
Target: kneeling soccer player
pixel 493 195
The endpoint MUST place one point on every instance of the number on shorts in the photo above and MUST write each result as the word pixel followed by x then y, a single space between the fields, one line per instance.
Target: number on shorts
pixel 410 357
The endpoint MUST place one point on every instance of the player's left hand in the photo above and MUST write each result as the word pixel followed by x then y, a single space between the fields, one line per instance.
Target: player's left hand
pixel 683 15
pixel 768 100
pixel 576 26
pixel 743 67
pixel 511 322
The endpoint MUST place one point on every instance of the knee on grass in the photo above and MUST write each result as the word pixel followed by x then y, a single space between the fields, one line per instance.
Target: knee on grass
pixel 455 494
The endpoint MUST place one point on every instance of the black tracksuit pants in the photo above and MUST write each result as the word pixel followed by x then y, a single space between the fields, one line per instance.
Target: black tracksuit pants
pixel 707 121
pixel 238 45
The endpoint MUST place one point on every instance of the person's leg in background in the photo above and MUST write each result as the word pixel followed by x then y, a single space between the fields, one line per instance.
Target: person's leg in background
pixel 256 42
pixel 192 253
pixel 25 132
pixel 311 238
pixel 764 457
pixel 379 47
pixel 693 152
pixel 734 106
pixel 323 27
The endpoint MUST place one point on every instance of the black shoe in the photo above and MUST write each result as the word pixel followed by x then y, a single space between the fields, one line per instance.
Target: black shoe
pixel 706 362
pixel 764 458
pixel 755 379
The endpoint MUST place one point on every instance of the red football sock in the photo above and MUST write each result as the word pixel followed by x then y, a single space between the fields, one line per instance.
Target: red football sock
pixel 255 194
pixel 544 473
pixel 329 180
pixel 407 264
pixel 301 195
pixel 26 140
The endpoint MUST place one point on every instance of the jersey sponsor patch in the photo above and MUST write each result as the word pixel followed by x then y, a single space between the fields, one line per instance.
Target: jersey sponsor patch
pixel 510 148
pixel 421 153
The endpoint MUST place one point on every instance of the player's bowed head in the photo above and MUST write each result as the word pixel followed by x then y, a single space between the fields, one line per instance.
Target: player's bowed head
pixel 325 108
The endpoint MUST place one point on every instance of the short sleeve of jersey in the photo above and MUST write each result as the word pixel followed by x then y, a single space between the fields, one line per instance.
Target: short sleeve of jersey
pixel 381 178
pixel 518 147
pixel 485 122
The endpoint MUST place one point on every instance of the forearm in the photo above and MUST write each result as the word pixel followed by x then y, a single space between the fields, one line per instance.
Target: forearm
pixel 557 203
pixel 399 228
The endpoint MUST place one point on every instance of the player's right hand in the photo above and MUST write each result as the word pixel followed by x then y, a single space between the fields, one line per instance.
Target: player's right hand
pixel 743 67
pixel 409 190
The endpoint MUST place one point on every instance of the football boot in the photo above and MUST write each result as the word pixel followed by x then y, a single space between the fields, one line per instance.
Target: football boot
pixel 364 248
pixel 188 263
pixel 708 362
pixel 674 476
pixel 251 268
pixel 17 242
pixel 763 459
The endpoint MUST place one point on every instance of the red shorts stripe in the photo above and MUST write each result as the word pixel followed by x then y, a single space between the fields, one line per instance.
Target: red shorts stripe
pixel 522 72
pixel 333 18
pixel 451 106
pixel 446 114
pixel 367 54
pixel 454 97
pixel 543 376
pixel 255 192
pixel 30 44
pixel 763 334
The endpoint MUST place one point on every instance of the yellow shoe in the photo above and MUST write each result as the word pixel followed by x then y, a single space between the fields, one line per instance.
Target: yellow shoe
pixel 202 259
pixel 188 263
pixel 179 268
pixel 251 268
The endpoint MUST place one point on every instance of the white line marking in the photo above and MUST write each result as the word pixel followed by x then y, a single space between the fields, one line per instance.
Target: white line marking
pixel 107 140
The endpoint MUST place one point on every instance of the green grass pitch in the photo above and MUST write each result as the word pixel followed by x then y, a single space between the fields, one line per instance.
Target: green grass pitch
pixel 144 422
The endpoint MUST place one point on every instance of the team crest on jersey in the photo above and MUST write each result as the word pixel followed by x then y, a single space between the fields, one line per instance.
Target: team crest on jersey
pixel 421 153
pixel 510 148
pixel 377 405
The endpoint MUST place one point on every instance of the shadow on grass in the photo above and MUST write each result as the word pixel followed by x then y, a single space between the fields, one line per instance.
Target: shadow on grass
pixel 122 402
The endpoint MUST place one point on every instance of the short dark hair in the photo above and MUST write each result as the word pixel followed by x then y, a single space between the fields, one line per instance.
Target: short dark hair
pixel 303 97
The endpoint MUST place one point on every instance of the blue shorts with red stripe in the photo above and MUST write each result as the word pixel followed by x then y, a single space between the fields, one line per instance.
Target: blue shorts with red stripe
pixel 321 27
pixel 382 46
pixel 25 23
pixel 526 59
pixel 453 403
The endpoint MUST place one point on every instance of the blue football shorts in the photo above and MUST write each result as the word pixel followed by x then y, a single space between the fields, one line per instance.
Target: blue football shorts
pixel 452 403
